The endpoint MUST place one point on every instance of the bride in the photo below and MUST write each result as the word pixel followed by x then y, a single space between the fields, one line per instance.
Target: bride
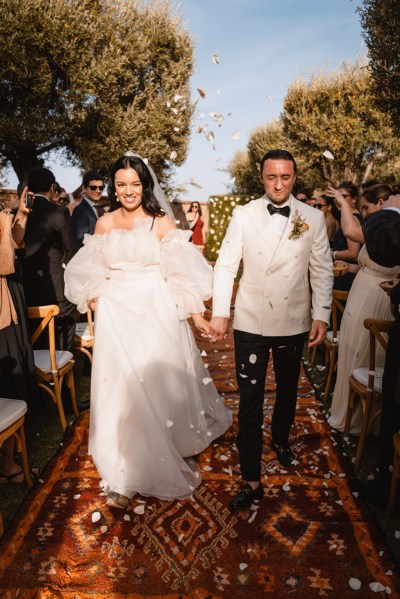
pixel 153 404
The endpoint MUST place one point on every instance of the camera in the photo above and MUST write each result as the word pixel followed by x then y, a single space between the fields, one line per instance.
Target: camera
pixel 28 200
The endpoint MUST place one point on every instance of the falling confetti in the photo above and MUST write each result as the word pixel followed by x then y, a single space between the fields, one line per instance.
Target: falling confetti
pixel 215 59
pixel 173 155
pixel 218 118
pixel 177 98
pixel 236 135
pixel 201 92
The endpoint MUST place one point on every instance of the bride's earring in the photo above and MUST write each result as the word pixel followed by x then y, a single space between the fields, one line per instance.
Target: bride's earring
pixel 116 195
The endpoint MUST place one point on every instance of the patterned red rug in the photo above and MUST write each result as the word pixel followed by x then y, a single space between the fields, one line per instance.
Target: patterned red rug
pixel 309 537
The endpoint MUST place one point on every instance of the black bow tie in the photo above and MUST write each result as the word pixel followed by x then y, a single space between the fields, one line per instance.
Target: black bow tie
pixel 285 211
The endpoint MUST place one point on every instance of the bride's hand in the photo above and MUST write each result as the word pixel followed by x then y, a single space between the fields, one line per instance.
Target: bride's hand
pixel 92 304
pixel 202 324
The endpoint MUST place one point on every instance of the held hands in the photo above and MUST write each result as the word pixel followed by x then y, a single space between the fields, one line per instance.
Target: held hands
pixel 317 333
pixel 202 324
pixel 215 330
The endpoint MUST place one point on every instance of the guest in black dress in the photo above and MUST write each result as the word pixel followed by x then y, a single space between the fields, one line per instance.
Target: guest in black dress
pixel 17 368
pixel 344 249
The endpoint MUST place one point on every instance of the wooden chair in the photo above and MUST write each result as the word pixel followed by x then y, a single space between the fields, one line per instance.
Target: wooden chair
pixel 84 336
pixel 12 416
pixel 366 384
pixel 52 365
pixel 395 475
pixel 332 339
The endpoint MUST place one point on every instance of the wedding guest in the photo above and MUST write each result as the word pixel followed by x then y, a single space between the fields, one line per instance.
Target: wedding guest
pixel 89 210
pixel 50 242
pixel 285 252
pixel 153 404
pixel 331 213
pixel 382 240
pixel 366 299
pixel 304 194
pixel 343 248
pixel 196 224
pixel 17 368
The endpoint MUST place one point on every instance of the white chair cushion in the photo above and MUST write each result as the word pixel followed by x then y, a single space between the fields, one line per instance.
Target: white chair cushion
pixel 361 375
pixel 42 359
pixel 11 410
pixel 82 331
pixel 329 336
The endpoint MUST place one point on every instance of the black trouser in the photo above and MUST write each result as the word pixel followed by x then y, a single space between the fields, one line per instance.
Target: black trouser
pixel 251 357
pixel 65 323
pixel 390 417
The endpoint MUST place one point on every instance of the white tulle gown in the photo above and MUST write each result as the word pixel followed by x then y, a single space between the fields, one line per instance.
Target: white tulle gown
pixel 153 404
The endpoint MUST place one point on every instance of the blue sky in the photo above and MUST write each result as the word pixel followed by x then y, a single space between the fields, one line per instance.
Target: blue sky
pixel 263 45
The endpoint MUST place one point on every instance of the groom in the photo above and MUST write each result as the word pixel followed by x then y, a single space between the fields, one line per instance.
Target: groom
pixel 287 273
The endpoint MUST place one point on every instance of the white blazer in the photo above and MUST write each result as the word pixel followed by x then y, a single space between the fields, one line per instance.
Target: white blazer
pixel 282 278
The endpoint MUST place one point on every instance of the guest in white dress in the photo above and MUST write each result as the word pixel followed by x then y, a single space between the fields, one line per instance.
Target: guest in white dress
pixel 153 404
pixel 366 299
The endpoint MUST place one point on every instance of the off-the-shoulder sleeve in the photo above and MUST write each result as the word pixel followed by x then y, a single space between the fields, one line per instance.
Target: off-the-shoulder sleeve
pixel 189 276
pixel 85 274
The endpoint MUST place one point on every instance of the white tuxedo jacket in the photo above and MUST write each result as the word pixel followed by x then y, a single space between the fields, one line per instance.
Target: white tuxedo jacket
pixel 279 273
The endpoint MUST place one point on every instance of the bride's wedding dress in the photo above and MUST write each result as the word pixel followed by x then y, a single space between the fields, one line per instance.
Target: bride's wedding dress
pixel 153 404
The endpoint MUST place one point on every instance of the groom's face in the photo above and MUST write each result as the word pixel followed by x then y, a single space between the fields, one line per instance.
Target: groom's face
pixel 278 178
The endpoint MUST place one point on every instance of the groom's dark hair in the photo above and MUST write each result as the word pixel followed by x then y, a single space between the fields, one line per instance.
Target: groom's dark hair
pixel 278 155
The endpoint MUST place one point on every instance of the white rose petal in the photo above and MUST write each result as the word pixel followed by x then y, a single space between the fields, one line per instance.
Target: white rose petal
pixel 215 59
pixel 169 423
pixel 103 529
pixel 207 380
pixel 96 516
pixel 252 358
pixel 243 566
pixel 173 155
pixel 236 135
pixel 328 155
pixel 127 517
pixel 139 509
pixel 77 496
pixel 355 584
pixel 376 587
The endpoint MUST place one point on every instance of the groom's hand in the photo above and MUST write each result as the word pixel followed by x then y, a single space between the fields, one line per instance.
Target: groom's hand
pixel 219 327
pixel 317 333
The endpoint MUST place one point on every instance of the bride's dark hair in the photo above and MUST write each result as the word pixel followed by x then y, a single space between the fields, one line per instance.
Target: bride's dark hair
pixel 149 201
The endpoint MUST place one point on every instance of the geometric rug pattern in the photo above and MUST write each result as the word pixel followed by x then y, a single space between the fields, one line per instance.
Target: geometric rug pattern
pixel 308 537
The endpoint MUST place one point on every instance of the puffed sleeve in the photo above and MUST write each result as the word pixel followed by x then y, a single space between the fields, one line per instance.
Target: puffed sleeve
pixel 85 274
pixel 189 276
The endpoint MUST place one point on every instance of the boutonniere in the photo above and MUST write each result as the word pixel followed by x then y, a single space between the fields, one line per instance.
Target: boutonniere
pixel 299 226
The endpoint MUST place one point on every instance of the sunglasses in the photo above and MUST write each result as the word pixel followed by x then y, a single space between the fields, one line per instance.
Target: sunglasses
pixel 94 187
pixel 319 206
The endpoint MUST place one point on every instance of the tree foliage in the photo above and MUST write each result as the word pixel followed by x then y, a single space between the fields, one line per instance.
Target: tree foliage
pixel 332 111
pixel 380 20
pixel 94 78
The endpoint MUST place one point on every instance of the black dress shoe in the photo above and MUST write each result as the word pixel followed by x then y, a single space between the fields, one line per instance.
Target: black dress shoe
pixel 245 497
pixel 83 405
pixel 284 454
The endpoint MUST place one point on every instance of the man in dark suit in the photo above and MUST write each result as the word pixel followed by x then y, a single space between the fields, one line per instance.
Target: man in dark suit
pixel 382 239
pixel 50 242
pixel 86 214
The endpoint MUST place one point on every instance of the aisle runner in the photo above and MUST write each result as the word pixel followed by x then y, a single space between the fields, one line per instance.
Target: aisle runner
pixel 307 538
